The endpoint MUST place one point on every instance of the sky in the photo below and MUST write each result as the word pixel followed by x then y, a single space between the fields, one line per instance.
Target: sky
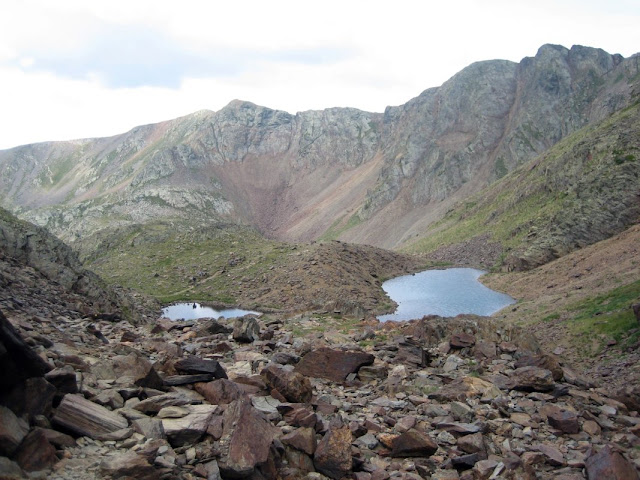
pixel 76 69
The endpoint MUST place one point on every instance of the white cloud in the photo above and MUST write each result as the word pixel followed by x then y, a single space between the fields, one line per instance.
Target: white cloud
pixel 64 65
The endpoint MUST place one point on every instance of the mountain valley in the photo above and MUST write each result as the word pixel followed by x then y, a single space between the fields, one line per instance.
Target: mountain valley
pixel 528 170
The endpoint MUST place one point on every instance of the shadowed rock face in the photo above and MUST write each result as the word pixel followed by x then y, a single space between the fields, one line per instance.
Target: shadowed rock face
pixel 365 177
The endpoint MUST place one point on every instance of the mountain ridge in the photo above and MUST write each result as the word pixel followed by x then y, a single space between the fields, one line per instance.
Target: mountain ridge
pixel 375 178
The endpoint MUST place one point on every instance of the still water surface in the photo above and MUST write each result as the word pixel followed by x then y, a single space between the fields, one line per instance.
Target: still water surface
pixel 446 293
pixel 191 311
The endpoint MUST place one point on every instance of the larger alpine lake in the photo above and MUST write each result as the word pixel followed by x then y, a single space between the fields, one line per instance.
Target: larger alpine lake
pixel 446 293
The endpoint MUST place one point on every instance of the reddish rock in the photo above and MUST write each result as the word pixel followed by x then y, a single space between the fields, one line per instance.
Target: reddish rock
pixel 86 418
pixel 36 453
pixel 413 444
pixel 609 464
pixel 548 362
pixel 471 443
pixel 462 340
pixel 563 420
pixel 485 350
pixel 630 396
pixel 333 454
pixel 293 386
pixel 219 392
pixel 411 352
pixel 303 439
pixel 532 379
pixel 552 455
pixel 299 415
pixel 129 465
pixel 248 437
pixel 332 364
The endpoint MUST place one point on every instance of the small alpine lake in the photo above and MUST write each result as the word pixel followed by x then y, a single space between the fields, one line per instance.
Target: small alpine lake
pixel 446 293
pixel 191 311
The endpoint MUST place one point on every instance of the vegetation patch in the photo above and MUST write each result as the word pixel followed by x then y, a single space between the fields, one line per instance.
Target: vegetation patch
pixel 608 316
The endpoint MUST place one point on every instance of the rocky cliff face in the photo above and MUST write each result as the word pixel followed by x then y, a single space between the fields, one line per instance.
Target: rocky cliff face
pixel 342 173
pixel 39 270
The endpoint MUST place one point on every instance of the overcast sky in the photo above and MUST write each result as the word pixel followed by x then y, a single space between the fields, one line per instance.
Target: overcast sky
pixel 75 69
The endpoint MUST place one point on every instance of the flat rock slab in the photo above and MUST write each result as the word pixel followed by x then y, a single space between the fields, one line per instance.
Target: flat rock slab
pixel 174 380
pixel 332 364
pixel 190 428
pixel 86 418
pixel 196 366
pixel 157 403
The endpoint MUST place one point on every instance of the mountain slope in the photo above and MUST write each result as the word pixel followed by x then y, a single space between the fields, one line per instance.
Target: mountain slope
pixel 380 179
pixel 583 190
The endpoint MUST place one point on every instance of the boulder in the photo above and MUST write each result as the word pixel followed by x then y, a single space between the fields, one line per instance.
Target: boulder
pixel 246 329
pixel 10 470
pixel 303 439
pixel 333 454
pixel 411 352
pixel 149 427
pixel 84 417
pixel 285 358
pixel 247 437
pixel 630 396
pixel 219 392
pixel 190 428
pixel 293 386
pixel 413 443
pixel 212 327
pixel 64 379
pixel 36 452
pixel 12 431
pixel 128 465
pixel 563 420
pixel 532 379
pixel 17 361
pixel 548 362
pixel 194 366
pixel 32 397
pixel 462 340
pixel 332 364
pixel 609 464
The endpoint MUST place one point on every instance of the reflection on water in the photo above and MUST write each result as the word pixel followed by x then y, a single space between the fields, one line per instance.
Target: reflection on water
pixel 446 293
pixel 191 311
